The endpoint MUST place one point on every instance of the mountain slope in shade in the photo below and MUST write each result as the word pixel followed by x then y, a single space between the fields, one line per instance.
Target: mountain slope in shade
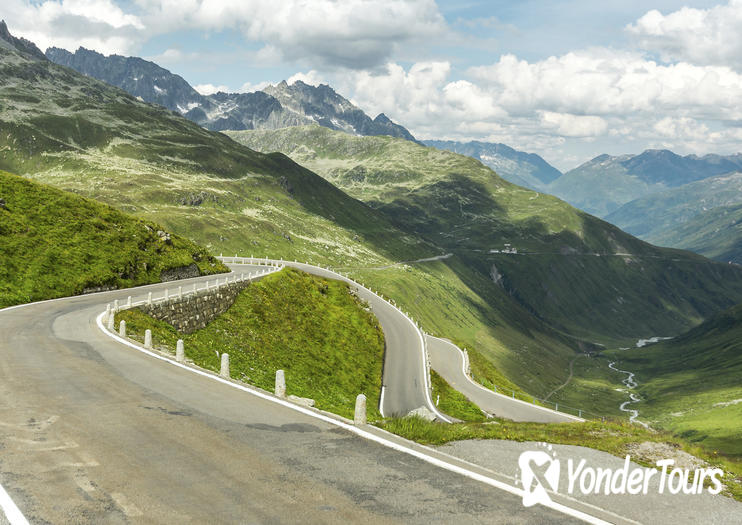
pixel 276 107
pixel 605 183
pixel 578 273
pixel 518 167
pixel 659 214
pixel 716 233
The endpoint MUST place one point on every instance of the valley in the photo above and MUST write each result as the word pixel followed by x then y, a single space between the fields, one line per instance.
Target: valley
pixel 117 173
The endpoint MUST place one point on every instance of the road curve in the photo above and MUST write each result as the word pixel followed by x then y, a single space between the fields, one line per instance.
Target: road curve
pixel 448 360
pixel 92 431
pixel 406 382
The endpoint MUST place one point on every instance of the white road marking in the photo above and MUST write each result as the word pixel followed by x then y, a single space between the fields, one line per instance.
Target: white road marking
pixel 569 511
pixel 12 512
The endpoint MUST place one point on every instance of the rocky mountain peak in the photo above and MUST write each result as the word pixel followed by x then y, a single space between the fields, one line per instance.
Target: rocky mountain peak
pixel 20 44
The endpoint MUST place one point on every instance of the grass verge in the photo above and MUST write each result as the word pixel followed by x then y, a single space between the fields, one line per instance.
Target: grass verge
pixel 453 402
pixel 329 345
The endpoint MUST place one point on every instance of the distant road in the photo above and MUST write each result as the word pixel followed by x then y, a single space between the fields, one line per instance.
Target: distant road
pixel 448 361
pixel 93 431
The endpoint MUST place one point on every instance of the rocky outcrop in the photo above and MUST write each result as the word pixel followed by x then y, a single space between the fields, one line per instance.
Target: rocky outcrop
pixel 279 106
pixel 20 44
pixel 176 274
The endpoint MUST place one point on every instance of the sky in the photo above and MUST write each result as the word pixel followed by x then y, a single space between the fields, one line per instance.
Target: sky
pixel 568 80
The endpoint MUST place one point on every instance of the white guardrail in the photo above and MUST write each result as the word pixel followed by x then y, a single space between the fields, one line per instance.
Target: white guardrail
pixel 423 346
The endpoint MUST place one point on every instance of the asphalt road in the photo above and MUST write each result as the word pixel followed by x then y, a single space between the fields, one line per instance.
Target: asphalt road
pixel 448 361
pixel 405 376
pixel 92 431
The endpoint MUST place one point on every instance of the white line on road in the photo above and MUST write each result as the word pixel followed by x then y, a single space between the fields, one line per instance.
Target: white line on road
pixel 12 512
pixel 588 518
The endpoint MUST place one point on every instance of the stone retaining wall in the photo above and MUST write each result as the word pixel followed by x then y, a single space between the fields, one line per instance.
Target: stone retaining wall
pixel 195 310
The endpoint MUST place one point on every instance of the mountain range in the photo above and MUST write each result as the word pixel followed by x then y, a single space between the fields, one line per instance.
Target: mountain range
pixel 524 281
pixel 605 183
pixel 275 107
pixel 524 169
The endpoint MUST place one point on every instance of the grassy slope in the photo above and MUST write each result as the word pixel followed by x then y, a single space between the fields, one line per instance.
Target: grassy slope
pixel 685 382
pixel 453 402
pixel 716 233
pixel 82 135
pixel 54 244
pixel 330 347
pixel 581 275
pixel 547 303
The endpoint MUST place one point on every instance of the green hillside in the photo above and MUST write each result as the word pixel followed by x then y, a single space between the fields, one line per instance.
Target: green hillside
pixel 521 317
pixel 330 347
pixel 715 233
pixel 54 244
pixel 581 275
pixel 80 134
pixel 692 385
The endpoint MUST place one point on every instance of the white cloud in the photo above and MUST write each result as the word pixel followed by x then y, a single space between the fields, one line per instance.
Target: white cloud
pixel 590 95
pixel 96 24
pixel 313 78
pixel 568 125
pixel 355 34
pixel 700 36
pixel 210 89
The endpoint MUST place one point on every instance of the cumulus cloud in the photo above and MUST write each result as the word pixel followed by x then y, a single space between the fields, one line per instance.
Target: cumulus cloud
pixel 581 96
pixel 210 89
pixel 698 36
pixel 568 125
pixel 95 24
pixel 354 34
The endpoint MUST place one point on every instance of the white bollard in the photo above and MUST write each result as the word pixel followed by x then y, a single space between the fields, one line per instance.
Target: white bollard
pixel 179 352
pixel 167 294
pixel 108 311
pixel 149 298
pixel 180 292
pixel 359 416
pixel 148 339
pixel 110 321
pixel 224 371
pixel 122 329
pixel 194 287
pixel 115 305
pixel 128 302
pixel 280 390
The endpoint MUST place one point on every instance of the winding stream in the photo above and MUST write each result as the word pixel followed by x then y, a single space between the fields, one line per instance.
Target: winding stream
pixel 630 384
